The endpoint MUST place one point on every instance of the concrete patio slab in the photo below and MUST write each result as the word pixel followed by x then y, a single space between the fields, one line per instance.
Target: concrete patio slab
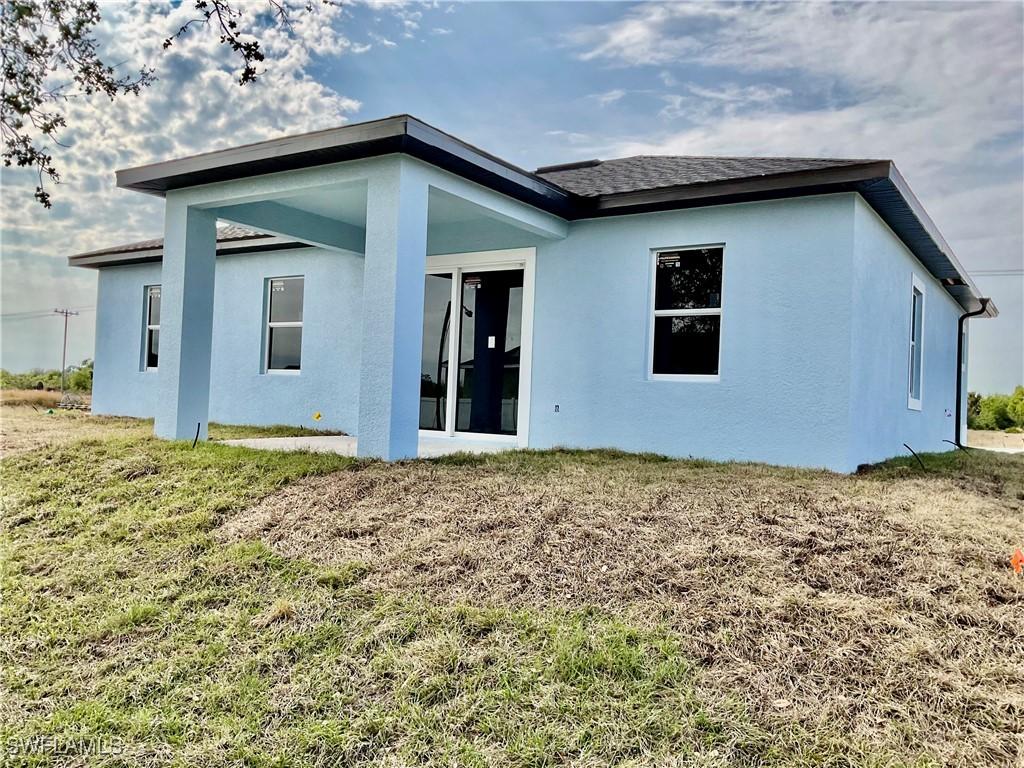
pixel 345 445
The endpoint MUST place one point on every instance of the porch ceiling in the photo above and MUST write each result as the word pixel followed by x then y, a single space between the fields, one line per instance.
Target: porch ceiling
pixel 346 203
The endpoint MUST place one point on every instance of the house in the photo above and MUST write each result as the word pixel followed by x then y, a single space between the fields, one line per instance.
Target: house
pixel 401 282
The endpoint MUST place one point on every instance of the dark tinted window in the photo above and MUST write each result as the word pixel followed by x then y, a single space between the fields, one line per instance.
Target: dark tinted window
pixel 286 300
pixel 285 348
pixel 152 347
pixel 688 279
pixel 686 345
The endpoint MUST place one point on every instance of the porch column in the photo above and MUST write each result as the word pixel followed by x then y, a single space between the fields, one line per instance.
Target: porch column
pixel 186 322
pixel 389 374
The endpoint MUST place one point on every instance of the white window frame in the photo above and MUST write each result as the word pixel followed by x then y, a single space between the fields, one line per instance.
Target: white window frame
pixel 481 261
pixel 914 403
pixel 147 326
pixel 706 378
pixel 267 325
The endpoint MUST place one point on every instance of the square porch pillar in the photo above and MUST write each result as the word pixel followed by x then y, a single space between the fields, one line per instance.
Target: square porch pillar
pixel 389 374
pixel 186 322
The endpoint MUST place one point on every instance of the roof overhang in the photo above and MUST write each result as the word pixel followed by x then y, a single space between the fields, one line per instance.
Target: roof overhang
pixel 400 134
pixel 256 243
pixel 878 182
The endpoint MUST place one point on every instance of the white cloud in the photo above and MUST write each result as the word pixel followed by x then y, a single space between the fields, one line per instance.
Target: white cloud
pixel 195 106
pixel 571 137
pixel 382 41
pixel 936 87
pixel 729 99
pixel 608 97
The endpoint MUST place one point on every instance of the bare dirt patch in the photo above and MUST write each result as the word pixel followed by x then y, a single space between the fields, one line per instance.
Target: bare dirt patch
pixel 887 605
pixel 984 438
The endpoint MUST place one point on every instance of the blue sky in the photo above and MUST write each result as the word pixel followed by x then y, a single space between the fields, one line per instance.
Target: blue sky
pixel 936 87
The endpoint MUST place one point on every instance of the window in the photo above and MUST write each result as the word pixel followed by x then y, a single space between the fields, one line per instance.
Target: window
pixel 916 344
pixel 284 324
pixel 687 312
pixel 151 340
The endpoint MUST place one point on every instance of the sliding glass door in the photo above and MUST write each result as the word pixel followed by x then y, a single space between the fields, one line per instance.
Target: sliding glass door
pixel 437 312
pixel 472 320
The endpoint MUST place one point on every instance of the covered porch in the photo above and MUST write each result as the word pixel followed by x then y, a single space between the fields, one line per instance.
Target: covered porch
pixel 407 219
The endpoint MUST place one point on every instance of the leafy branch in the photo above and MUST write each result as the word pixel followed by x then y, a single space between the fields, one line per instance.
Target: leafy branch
pixel 49 53
pixel 43 42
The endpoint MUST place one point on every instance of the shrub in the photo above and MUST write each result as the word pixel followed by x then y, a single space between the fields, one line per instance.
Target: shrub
pixel 80 379
pixel 1015 409
pixel 994 413
pixel 973 406
pixel 77 378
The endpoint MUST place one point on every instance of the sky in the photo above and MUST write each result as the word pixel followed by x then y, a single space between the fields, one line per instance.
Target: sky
pixel 938 88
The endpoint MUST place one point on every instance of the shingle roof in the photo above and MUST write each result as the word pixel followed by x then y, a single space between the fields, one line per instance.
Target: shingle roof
pixel 594 178
pixel 587 190
pixel 226 233
pixel 644 172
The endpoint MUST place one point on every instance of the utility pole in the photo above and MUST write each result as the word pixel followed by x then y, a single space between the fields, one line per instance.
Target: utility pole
pixel 64 356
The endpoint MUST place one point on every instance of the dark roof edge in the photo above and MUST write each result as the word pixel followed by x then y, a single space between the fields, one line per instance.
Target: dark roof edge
pixel 876 181
pixel 768 186
pixel 398 134
pixel 235 246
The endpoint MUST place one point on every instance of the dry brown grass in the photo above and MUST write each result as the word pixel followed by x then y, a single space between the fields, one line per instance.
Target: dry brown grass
pixel 879 608
pixel 26 427
pixel 38 398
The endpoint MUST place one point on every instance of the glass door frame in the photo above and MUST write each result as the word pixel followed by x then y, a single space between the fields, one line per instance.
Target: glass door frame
pixel 456 264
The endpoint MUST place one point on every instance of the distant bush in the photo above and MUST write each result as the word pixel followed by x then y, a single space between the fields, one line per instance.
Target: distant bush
pixel 1016 407
pixel 973 406
pixel 996 411
pixel 78 378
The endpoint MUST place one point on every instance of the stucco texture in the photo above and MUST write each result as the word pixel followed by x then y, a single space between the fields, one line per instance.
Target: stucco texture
pixel 782 392
pixel 814 339
pixel 880 296
pixel 240 392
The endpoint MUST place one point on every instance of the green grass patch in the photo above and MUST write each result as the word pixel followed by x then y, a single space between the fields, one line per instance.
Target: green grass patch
pixel 125 622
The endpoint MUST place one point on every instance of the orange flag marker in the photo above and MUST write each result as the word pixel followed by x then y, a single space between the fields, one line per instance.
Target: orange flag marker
pixel 1017 561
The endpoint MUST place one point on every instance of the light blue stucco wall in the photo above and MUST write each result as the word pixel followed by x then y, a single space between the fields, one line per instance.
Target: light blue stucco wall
pixel 813 369
pixel 239 392
pixel 119 386
pixel 880 419
pixel 782 396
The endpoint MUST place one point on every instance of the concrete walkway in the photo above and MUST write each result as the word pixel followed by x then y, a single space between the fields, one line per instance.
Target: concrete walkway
pixel 345 445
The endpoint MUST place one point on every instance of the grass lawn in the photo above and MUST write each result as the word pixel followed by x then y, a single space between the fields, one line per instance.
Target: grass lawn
pixel 27 425
pixel 221 606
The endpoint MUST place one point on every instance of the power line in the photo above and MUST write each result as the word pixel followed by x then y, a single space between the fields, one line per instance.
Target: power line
pixel 33 314
pixel 66 313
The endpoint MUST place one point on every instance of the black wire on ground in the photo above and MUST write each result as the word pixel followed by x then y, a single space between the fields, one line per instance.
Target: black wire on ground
pixel 957 445
pixel 198 425
pixel 916 456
